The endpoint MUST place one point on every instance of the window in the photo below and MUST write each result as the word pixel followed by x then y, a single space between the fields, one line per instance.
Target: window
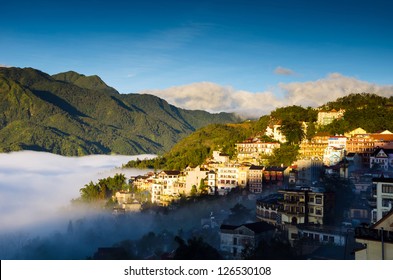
pixel 311 210
pixel 331 239
pixel 387 188
pixel 235 241
pixel 318 211
pixel 318 199
pixel 311 199
pixel 325 238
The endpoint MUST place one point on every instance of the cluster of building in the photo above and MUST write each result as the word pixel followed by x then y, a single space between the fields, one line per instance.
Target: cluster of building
pixel 294 203
pixel 218 176
pixel 367 149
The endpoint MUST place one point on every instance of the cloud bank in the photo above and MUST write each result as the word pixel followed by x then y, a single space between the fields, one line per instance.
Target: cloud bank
pixel 217 98
pixel 35 187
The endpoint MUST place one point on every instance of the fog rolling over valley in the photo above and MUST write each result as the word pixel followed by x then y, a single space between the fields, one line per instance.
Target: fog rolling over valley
pixel 36 189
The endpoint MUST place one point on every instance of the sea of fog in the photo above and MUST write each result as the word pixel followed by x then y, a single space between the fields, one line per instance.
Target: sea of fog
pixel 37 187
pixel 38 221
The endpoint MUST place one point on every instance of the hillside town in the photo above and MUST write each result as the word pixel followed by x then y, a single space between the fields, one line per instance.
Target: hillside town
pixel 334 201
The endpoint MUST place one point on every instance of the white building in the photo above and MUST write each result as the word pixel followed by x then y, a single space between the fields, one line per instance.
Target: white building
pixel 383 194
pixel 335 151
pixel 156 192
pixel 220 157
pixel 194 177
pixel 253 150
pixel 227 178
pixel 383 158
pixel 275 133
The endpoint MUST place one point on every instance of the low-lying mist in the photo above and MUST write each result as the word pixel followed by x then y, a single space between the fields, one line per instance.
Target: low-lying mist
pixel 36 189
pixel 39 222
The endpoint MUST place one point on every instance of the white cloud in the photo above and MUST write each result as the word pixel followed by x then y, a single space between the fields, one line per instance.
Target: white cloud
pixel 217 98
pixel 335 85
pixel 283 71
pixel 34 186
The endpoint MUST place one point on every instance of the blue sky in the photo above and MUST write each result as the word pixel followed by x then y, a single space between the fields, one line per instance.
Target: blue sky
pixel 247 45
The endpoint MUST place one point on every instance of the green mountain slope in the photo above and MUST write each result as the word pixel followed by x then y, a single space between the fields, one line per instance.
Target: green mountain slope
pixel 369 111
pixel 71 114
pixel 195 148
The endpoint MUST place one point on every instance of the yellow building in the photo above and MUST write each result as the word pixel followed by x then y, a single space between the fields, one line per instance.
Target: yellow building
pixel 315 147
pixel 354 132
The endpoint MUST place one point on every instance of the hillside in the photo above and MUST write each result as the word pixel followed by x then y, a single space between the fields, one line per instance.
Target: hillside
pixel 73 114
pixel 195 148
pixel 369 111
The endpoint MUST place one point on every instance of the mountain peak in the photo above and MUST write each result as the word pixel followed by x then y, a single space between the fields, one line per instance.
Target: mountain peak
pixel 93 82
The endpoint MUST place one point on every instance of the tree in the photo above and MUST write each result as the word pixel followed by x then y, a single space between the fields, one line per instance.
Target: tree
pixel 272 250
pixel 311 130
pixel 285 155
pixel 292 130
pixel 193 191
pixel 195 249
pixel 203 189
pixel 239 214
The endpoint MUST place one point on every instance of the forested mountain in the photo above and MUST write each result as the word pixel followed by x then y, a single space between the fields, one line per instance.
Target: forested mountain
pixel 369 111
pixel 73 114
pixel 195 148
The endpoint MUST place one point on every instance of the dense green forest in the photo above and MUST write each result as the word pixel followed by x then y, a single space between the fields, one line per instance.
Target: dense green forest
pixel 73 114
pixel 369 111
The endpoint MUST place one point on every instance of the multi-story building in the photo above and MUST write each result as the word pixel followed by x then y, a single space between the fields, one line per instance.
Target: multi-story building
pixel 243 176
pixel 307 171
pixel 267 209
pixel 382 158
pixel 255 176
pixel 236 238
pixel 321 235
pixel 194 176
pixel 212 179
pixel 376 242
pixel 335 151
pixel 315 147
pixel 363 145
pixel 327 117
pixel 383 193
pixel 156 192
pixel 303 206
pixel 253 150
pixel 275 175
pixel 227 177
pixel 383 139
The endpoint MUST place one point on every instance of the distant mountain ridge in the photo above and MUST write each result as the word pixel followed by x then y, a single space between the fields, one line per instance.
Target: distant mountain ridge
pixel 73 114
